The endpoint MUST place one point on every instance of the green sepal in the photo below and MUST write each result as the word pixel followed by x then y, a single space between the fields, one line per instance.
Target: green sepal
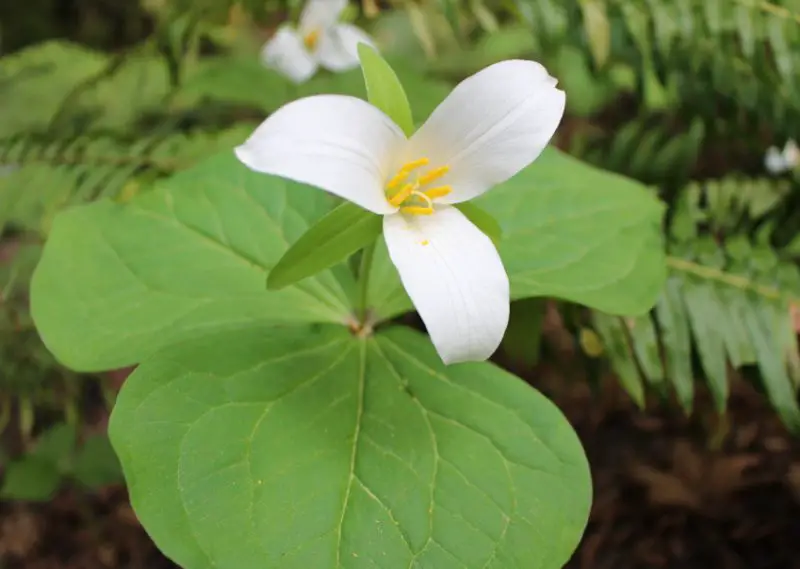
pixel 384 89
pixel 343 231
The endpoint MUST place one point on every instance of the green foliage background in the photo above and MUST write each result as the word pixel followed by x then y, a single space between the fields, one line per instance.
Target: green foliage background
pixel 683 95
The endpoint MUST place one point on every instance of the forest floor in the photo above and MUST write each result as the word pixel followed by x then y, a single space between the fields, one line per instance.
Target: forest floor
pixel 670 493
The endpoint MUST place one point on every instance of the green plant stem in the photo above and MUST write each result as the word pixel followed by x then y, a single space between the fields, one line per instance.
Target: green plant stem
pixel 363 282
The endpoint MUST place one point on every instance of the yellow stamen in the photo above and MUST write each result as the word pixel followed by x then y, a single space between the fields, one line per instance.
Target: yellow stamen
pixel 434 174
pixel 416 210
pixel 425 242
pixel 413 165
pixel 402 195
pixel 311 39
pixel 397 180
pixel 438 192
pixel 409 198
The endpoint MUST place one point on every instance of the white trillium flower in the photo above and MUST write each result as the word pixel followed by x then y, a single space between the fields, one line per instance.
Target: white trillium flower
pixel 778 161
pixel 491 126
pixel 319 40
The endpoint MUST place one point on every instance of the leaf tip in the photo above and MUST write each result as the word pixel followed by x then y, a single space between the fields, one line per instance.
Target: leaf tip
pixel 274 281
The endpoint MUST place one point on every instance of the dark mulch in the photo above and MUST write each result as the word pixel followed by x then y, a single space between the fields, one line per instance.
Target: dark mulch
pixel 700 493
pixel 76 532
pixel 670 493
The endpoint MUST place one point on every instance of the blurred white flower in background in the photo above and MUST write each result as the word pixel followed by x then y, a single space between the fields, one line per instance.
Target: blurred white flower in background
pixel 778 161
pixel 319 40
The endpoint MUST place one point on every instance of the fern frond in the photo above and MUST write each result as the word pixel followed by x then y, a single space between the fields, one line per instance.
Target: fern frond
pixel 35 81
pixel 51 174
pixel 745 52
pixel 647 149
pixel 130 88
pixel 729 298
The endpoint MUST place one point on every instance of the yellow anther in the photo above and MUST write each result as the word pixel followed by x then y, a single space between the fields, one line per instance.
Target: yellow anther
pixel 425 242
pixel 413 165
pixel 311 39
pixel 438 192
pixel 409 193
pixel 402 195
pixel 416 210
pixel 434 174
pixel 397 180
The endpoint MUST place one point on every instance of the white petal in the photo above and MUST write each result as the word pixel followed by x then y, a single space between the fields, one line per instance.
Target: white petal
pixel 491 126
pixel 455 277
pixel 774 161
pixel 318 15
pixel 338 47
pixel 286 54
pixel 337 143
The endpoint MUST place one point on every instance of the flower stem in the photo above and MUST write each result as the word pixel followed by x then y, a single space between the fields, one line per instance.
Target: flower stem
pixel 363 282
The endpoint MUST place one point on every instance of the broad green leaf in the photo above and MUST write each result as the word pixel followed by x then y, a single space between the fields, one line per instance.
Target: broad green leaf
pixel 386 294
pixel 384 89
pixel 30 478
pixel 570 231
pixel 343 231
pixel 261 449
pixel 482 220
pixel 187 258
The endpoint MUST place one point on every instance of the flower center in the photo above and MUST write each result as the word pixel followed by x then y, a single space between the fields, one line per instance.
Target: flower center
pixel 412 196
pixel 311 39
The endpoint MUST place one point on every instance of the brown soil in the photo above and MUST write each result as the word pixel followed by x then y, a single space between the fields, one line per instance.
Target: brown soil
pixel 677 493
